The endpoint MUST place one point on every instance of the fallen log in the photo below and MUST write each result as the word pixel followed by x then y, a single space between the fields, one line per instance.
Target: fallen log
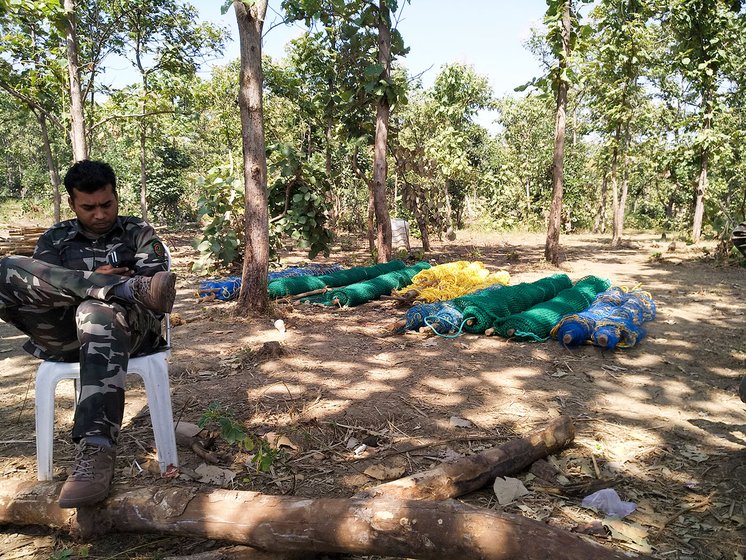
pixel 384 526
pixel 239 552
pixel 449 480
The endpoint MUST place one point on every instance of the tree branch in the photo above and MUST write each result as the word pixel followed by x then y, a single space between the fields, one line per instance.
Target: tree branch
pixel 134 116
pixel 31 103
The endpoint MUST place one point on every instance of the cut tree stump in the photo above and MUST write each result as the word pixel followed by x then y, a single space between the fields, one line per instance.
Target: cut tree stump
pixel 449 480
pixel 383 526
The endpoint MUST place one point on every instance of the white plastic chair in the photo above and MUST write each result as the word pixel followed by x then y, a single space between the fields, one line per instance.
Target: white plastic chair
pixel 153 369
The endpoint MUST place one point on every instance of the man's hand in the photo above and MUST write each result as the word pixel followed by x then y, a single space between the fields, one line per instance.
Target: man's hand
pixel 108 269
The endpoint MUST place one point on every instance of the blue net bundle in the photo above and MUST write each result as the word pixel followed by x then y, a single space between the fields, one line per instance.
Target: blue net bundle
pixel 614 319
pixel 536 323
pixel 441 316
pixel 623 328
pixel 226 289
pixel 363 292
pixel 300 285
pixel 577 328
pixel 308 270
pixel 480 310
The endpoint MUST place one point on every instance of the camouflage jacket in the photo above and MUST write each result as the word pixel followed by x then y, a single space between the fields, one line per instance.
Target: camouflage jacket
pixel 134 241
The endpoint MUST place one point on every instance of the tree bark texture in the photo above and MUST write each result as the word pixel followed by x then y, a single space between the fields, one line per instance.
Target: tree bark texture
pixel 77 130
pixel 405 528
pixel 449 480
pixel 54 175
pixel 551 249
pixel 380 166
pixel 253 296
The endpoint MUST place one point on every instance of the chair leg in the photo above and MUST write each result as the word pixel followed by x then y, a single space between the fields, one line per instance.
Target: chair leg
pixel 46 383
pixel 155 377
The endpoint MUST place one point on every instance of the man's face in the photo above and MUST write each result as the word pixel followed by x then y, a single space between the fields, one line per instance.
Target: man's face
pixel 96 211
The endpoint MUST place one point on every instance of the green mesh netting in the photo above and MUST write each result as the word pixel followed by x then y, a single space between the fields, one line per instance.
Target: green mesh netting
pixel 369 290
pixel 536 323
pixel 481 310
pixel 301 284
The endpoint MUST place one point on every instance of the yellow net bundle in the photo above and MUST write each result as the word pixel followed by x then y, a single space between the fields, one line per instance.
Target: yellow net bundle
pixel 452 280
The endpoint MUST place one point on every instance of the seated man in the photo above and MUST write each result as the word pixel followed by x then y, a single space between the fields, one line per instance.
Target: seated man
pixel 739 241
pixel 94 292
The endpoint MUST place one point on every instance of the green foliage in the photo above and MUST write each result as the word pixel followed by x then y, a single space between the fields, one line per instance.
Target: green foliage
pixel 166 185
pixel 63 554
pixel 233 433
pixel 221 207
pixel 297 201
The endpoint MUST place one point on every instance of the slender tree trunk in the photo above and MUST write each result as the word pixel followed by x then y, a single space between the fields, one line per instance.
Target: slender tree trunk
pixel 330 195
pixel 420 214
pixel 371 220
pixel 51 165
pixel 704 160
pixel 699 200
pixel 450 233
pixel 616 235
pixel 143 137
pixel 380 166
pixel 621 210
pixel 77 130
pixel 599 224
pixel 551 249
pixel 253 296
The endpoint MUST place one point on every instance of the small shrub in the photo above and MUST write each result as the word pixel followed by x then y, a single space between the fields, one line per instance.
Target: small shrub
pixel 234 434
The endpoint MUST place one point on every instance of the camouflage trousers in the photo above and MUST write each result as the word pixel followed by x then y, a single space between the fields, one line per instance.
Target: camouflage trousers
pixel 70 316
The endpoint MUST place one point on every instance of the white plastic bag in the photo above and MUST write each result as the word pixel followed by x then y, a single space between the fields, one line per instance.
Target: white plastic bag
pixel 609 502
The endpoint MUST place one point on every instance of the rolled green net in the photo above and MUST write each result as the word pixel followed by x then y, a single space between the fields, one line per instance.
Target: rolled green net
pixel 537 322
pixel 301 284
pixel 482 309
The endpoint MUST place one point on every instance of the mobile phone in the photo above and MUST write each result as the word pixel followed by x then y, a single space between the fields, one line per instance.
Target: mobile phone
pixel 118 260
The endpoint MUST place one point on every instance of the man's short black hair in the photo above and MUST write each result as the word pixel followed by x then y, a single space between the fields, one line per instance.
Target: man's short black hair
pixel 89 176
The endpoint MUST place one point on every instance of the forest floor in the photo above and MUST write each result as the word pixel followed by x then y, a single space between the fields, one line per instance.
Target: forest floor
pixel 663 418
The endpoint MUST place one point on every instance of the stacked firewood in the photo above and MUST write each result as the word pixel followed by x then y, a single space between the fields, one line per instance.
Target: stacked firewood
pixel 20 240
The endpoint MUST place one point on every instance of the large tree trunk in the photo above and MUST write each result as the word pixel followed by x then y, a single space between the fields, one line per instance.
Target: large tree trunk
pixel 449 480
pixel 253 296
pixel 386 527
pixel 51 165
pixel 380 166
pixel 77 130
pixel 551 249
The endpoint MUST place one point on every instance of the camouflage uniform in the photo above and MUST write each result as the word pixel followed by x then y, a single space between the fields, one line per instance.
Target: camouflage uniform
pixel 69 312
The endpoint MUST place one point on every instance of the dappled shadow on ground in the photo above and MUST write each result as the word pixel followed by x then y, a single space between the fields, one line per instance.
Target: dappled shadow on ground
pixel 662 418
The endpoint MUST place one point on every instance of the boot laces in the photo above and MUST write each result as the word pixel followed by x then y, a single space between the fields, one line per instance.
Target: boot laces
pixel 83 463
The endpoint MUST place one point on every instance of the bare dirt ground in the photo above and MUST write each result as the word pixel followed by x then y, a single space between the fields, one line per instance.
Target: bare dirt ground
pixel 663 418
